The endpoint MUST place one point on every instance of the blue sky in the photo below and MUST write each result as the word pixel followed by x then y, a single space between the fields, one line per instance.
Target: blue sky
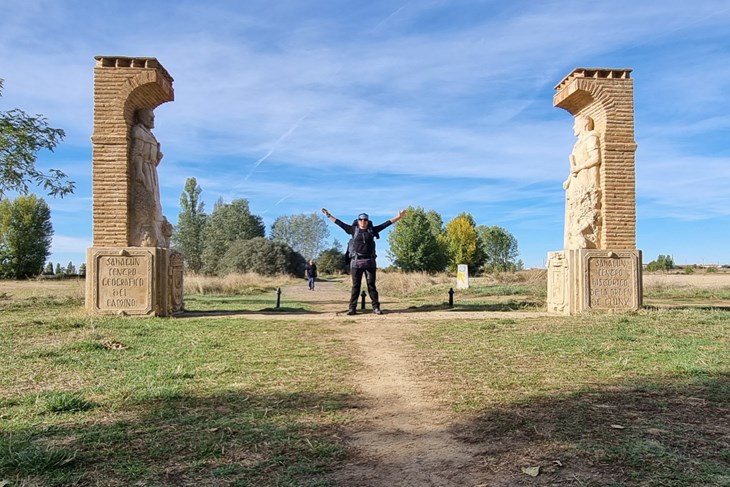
pixel 375 106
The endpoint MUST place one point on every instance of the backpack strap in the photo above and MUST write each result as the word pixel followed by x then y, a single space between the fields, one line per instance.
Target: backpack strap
pixel 356 232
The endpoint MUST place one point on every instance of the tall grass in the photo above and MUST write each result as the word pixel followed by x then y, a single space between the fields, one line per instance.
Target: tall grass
pixel 234 284
pixel 406 284
pixel 402 284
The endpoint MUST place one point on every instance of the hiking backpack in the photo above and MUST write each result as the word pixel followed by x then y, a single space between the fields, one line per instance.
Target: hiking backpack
pixel 356 231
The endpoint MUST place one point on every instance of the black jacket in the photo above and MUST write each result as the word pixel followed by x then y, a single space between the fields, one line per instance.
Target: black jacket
pixel 362 246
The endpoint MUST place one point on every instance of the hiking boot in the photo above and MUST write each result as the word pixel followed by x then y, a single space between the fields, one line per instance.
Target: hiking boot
pixel 351 312
pixel 377 311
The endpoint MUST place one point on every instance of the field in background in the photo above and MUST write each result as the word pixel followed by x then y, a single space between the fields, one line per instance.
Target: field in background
pixel 400 284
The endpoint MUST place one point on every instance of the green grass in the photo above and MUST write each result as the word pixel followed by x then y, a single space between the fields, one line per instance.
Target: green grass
pixel 9 304
pixel 213 400
pixel 551 388
pixel 499 297
pixel 28 459
pixel 243 304
pixel 687 297
pixel 479 297
pixel 64 402
pixel 217 398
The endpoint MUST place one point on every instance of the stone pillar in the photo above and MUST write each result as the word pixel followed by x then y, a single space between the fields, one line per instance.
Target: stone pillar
pixel 600 267
pixel 126 275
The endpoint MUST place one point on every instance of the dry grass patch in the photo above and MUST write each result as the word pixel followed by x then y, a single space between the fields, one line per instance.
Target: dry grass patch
pixel 532 277
pixel 402 284
pixel 235 284
pixel 60 289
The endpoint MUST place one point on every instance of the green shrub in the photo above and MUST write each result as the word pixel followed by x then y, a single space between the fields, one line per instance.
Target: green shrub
pixel 262 256
pixel 662 263
pixel 331 261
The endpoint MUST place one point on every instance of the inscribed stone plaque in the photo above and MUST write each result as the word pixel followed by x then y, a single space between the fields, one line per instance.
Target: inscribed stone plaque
pixel 612 282
pixel 124 282
pixel 557 285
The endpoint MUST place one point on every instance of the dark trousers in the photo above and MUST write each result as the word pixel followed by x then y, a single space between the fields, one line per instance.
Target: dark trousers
pixel 356 274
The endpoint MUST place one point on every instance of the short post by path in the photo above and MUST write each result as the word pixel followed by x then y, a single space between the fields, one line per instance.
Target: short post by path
pixel 599 267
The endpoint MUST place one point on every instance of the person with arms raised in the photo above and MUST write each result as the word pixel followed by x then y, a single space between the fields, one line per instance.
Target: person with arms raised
pixel 361 249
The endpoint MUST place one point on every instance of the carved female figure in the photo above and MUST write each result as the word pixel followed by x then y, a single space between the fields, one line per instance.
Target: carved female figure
pixel 583 191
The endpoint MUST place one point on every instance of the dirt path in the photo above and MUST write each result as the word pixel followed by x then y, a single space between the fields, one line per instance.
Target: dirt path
pixel 402 431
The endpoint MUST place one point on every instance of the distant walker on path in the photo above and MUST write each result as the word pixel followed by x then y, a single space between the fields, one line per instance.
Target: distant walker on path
pixel 311 271
pixel 361 249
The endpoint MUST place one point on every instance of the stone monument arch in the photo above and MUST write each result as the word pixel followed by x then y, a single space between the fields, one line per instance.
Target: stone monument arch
pixel 130 267
pixel 600 267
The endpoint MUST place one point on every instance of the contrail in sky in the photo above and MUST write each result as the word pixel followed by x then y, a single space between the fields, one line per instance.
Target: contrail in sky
pixel 275 146
pixel 382 22
pixel 296 124
pixel 282 200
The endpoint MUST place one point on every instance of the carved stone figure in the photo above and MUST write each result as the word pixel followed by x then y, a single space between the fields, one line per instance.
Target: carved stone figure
pixel 166 229
pixel 176 282
pixel 147 221
pixel 583 192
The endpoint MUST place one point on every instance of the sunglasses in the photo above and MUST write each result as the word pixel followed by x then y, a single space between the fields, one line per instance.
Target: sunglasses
pixel 363 219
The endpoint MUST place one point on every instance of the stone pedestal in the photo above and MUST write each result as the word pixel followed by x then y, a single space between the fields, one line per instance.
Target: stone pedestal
pixel 586 280
pixel 135 281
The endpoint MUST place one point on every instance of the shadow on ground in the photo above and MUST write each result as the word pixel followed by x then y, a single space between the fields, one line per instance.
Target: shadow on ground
pixel 646 434
pixel 511 305
pixel 283 311
pixel 232 439
pixel 685 307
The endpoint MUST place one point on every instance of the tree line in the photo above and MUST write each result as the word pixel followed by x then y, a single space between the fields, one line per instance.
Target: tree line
pixel 421 242
pixel 232 239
